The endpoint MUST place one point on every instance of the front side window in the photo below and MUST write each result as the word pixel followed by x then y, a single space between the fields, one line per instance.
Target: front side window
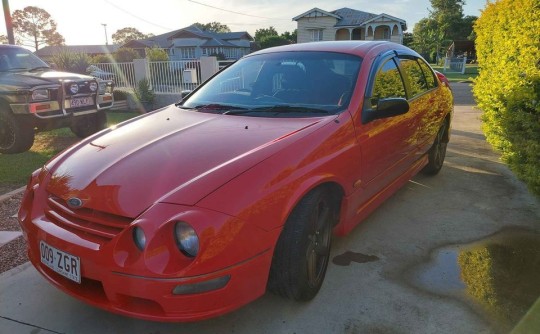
pixel 415 77
pixel 282 84
pixel 428 74
pixel 387 84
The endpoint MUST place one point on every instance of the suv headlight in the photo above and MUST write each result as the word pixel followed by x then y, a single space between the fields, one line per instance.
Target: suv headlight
pixel 186 239
pixel 74 88
pixel 40 94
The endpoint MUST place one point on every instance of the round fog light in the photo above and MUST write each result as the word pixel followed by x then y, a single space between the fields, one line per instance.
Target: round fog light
pixel 139 238
pixel 186 239
pixel 74 88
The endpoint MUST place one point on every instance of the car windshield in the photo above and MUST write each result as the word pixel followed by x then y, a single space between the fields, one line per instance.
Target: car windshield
pixel 19 59
pixel 280 84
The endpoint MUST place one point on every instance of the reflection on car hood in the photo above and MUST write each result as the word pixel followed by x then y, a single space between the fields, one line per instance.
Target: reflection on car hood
pixel 40 77
pixel 172 155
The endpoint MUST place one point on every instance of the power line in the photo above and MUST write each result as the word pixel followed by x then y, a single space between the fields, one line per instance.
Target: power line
pixel 138 17
pixel 234 12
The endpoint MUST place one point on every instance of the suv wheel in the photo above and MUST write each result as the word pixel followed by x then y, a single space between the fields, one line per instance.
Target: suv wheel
pixel 16 135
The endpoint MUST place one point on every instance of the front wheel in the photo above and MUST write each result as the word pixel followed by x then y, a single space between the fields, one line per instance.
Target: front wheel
pixel 84 126
pixel 437 152
pixel 16 135
pixel 303 248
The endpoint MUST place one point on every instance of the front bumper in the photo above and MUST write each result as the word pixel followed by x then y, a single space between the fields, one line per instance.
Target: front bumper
pixel 142 285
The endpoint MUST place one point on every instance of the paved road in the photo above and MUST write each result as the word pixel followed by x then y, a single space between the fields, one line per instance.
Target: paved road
pixel 383 289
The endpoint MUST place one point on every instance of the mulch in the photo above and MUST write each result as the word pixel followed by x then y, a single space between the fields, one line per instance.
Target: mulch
pixel 14 252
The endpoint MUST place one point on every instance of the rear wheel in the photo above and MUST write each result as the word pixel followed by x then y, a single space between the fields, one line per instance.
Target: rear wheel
pixel 84 126
pixel 16 135
pixel 437 152
pixel 303 248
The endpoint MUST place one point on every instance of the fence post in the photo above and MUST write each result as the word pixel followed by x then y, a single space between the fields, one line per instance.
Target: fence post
pixel 464 63
pixel 140 66
pixel 209 66
pixel 446 64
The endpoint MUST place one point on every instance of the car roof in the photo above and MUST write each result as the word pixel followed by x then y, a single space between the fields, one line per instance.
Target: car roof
pixel 359 48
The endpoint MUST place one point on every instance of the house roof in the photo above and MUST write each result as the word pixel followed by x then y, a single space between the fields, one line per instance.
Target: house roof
pixel 213 39
pixel 347 17
pixel 352 17
pixel 49 50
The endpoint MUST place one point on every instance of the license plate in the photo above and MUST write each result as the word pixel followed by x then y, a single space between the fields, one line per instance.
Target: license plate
pixel 81 102
pixel 61 262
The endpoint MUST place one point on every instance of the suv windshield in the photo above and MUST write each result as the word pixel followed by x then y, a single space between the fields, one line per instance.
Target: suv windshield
pixel 19 59
pixel 282 84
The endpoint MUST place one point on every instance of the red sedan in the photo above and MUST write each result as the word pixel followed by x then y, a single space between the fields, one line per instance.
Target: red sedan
pixel 196 209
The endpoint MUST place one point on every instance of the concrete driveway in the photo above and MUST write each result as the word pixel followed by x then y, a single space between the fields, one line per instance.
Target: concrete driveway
pixel 395 273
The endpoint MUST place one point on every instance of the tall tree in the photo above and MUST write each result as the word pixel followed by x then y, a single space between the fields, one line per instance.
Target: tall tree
pixel 34 26
pixel 265 32
pixel 124 35
pixel 291 37
pixel 213 27
pixel 449 17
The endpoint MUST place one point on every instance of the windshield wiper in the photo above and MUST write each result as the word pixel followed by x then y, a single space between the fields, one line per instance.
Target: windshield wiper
pixel 291 109
pixel 39 68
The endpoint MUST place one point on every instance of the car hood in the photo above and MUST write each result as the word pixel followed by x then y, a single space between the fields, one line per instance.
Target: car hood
pixel 31 79
pixel 170 156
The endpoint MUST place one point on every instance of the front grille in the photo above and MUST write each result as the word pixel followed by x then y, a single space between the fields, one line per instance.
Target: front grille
pixel 89 224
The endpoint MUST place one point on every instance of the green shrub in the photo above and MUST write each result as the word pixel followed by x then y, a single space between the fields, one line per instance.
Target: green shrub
pixel 156 54
pixel 507 88
pixel 69 61
pixel 120 95
pixel 144 92
pixel 126 55
pixel 105 58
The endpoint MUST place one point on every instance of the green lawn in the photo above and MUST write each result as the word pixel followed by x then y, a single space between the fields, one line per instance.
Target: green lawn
pixel 16 168
pixel 471 72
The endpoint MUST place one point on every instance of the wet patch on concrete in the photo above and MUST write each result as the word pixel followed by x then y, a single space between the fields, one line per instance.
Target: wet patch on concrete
pixel 346 258
pixel 499 275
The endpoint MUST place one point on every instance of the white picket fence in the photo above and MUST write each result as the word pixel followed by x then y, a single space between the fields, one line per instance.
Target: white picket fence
pixel 165 77
pixel 454 65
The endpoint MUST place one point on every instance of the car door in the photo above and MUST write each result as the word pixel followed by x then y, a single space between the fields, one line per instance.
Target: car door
pixel 385 143
pixel 423 102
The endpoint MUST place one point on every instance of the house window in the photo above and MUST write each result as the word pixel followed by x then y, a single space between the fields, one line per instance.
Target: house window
pixel 188 53
pixel 316 35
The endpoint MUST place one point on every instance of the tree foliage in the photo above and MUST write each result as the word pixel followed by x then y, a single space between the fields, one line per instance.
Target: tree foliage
pixel 124 35
pixel 3 39
pixel 125 55
pixel 507 88
pixel 432 35
pixel 269 37
pixel 213 27
pixel 34 26
pixel 156 54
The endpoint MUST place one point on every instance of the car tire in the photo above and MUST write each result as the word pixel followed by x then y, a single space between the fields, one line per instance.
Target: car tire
pixel 16 134
pixel 437 152
pixel 84 126
pixel 302 252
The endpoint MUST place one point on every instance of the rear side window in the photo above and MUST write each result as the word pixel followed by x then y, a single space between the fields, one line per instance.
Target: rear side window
pixel 388 83
pixel 415 77
pixel 428 73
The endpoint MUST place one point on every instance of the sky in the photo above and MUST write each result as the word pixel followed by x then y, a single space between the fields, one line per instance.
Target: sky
pixel 81 22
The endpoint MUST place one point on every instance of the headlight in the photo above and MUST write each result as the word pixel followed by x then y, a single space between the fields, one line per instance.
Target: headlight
pixel 93 86
pixel 40 94
pixel 139 238
pixel 74 88
pixel 186 239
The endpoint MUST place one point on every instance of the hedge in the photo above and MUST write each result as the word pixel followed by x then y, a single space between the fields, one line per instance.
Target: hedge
pixel 507 88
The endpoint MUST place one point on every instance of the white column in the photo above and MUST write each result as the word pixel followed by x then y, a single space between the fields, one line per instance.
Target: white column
pixel 209 66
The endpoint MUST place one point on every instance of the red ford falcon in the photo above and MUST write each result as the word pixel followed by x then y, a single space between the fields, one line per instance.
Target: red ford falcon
pixel 196 209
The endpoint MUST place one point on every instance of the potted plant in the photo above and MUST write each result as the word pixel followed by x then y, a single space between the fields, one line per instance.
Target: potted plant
pixel 145 96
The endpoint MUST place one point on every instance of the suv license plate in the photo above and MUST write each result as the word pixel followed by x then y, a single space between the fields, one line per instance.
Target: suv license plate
pixel 61 262
pixel 81 102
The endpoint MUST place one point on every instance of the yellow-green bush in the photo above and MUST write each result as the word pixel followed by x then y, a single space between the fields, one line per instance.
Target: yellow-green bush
pixel 507 88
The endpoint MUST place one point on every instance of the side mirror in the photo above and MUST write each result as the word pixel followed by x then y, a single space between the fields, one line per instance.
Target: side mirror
pixel 385 108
